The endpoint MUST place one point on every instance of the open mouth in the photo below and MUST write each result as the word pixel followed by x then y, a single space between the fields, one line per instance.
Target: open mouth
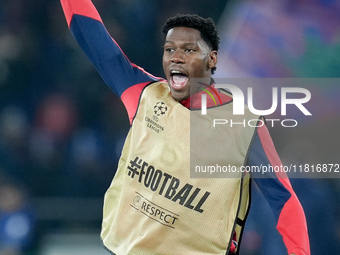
pixel 178 79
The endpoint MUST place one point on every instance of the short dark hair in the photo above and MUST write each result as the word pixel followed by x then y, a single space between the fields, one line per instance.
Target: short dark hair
pixel 206 26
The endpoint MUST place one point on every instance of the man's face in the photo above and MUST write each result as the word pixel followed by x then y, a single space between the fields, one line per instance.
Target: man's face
pixel 186 56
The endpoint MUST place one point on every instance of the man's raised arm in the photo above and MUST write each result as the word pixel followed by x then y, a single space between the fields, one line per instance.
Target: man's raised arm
pixel 123 77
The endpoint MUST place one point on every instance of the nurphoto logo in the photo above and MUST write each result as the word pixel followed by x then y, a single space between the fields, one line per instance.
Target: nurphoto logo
pixel 301 97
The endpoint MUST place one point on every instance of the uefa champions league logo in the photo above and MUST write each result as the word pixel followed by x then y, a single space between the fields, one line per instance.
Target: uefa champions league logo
pixel 160 108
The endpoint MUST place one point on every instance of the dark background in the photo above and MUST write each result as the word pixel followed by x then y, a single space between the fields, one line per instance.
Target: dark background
pixel 62 129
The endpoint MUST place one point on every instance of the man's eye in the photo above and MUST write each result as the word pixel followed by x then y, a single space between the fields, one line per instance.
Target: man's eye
pixel 189 50
pixel 169 49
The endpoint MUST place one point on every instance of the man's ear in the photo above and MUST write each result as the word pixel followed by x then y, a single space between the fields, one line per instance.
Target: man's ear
pixel 212 59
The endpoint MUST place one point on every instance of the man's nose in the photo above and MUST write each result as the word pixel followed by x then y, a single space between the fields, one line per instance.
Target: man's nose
pixel 178 58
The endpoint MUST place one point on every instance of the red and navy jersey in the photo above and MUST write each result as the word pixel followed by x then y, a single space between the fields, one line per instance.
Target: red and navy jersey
pixel 128 80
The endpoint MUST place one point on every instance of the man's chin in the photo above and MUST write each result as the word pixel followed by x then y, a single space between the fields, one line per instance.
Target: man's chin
pixel 179 95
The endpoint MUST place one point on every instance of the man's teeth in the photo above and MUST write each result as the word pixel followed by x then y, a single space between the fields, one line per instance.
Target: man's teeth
pixel 176 72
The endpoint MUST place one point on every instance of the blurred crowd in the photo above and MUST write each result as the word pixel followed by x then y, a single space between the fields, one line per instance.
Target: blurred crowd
pixel 291 39
pixel 62 129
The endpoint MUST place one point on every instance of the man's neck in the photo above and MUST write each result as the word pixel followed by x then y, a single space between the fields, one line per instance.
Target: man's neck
pixel 215 98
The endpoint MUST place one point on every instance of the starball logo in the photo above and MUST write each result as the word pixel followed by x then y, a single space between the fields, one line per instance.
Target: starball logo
pixel 303 95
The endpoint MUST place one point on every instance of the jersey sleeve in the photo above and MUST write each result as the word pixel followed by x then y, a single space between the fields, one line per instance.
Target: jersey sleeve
pixel 277 190
pixel 126 79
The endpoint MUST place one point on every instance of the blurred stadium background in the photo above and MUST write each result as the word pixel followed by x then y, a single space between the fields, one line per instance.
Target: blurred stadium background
pixel 62 129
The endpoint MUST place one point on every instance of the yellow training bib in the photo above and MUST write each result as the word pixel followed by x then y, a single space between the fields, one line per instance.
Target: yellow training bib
pixel 153 206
